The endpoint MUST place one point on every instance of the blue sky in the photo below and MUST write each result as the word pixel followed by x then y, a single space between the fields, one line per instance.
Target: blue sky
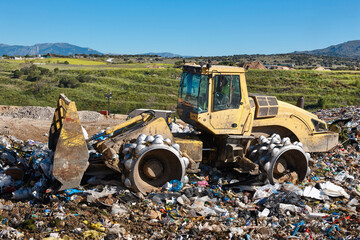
pixel 188 27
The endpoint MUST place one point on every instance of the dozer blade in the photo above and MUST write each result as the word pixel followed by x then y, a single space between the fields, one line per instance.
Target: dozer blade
pixel 67 140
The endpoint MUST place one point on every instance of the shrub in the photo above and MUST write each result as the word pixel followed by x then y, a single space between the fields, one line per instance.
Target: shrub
pixel 33 72
pixel 34 76
pixel 68 82
pixel 17 73
pixel 321 102
pixel 178 64
pixel 84 78
pixel 29 70
pixel 56 70
pixel 44 71
pixel 42 88
pixel 357 83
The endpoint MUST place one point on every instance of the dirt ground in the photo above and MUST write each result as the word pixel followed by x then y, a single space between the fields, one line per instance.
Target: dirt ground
pixel 33 123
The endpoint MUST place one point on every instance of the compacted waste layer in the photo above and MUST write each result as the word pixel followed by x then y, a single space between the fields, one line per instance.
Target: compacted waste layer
pixel 210 206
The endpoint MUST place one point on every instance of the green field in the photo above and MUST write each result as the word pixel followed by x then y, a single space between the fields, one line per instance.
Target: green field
pixel 135 86
pixel 72 61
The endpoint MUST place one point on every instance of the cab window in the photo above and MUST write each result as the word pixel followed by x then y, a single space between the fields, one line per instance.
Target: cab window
pixel 227 93
pixel 235 91
pixel 194 89
pixel 203 94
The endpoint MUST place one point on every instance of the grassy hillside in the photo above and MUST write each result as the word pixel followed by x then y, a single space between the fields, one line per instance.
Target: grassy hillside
pixel 131 87
pixel 335 88
pixel 139 87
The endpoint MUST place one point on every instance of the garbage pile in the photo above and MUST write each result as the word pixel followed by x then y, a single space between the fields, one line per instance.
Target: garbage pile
pixel 212 205
pixel 347 118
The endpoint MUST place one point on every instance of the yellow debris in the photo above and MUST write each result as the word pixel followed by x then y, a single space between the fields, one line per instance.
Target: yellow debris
pixel 97 226
pixel 92 234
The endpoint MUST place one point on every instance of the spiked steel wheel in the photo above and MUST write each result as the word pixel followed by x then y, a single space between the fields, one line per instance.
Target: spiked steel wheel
pixel 278 157
pixel 151 163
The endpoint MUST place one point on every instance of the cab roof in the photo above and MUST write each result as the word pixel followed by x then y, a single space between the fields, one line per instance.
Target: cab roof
pixel 213 69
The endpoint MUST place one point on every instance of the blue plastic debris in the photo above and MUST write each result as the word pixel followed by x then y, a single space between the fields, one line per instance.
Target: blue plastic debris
pixel 176 185
pixel 297 227
pixel 332 228
pixel 72 191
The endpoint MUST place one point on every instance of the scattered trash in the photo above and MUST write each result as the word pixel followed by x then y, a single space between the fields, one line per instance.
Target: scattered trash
pixel 210 205
pixel 264 213
pixel 118 209
pixel 312 192
pixel 333 190
pixel 176 186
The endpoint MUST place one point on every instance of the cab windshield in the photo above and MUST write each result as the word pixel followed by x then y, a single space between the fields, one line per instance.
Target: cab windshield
pixel 194 89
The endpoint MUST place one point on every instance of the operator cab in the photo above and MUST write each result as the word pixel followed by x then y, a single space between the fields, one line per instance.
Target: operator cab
pixel 211 97
pixel 194 90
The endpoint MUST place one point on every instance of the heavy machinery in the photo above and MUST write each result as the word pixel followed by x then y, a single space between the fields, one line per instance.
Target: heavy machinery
pixel 253 134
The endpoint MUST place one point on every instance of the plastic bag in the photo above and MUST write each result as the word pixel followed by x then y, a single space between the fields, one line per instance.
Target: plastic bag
pixel 22 193
pixel 94 195
pixel 333 190
pixel 5 180
pixel 119 210
pixel 266 191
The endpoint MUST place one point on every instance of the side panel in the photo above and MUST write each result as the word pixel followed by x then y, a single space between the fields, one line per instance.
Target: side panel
pixel 226 119
pixel 296 123
pixel 193 148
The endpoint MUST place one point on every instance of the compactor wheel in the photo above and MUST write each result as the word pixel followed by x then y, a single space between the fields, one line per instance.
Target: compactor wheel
pixel 150 162
pixel 279 158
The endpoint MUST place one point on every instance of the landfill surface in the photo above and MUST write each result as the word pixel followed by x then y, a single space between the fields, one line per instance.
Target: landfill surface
pixel 212 205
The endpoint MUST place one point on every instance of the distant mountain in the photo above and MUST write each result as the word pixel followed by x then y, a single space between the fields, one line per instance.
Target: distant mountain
pixel 44 48
pixel 347 49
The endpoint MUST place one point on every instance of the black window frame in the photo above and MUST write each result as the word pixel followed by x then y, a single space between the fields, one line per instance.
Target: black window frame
pixel 230 104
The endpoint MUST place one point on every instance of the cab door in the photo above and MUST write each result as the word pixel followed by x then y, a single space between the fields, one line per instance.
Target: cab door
pixel 226 102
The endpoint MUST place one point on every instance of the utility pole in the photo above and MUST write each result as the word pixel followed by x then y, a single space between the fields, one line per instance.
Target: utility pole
pixel 108 96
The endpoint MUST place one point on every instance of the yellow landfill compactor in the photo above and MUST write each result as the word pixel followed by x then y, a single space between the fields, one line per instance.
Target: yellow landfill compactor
pixel 256 135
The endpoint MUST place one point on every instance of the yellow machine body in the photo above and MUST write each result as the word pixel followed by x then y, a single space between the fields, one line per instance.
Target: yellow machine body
pixel 299 125
pixel 255 115
pixel 228 120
